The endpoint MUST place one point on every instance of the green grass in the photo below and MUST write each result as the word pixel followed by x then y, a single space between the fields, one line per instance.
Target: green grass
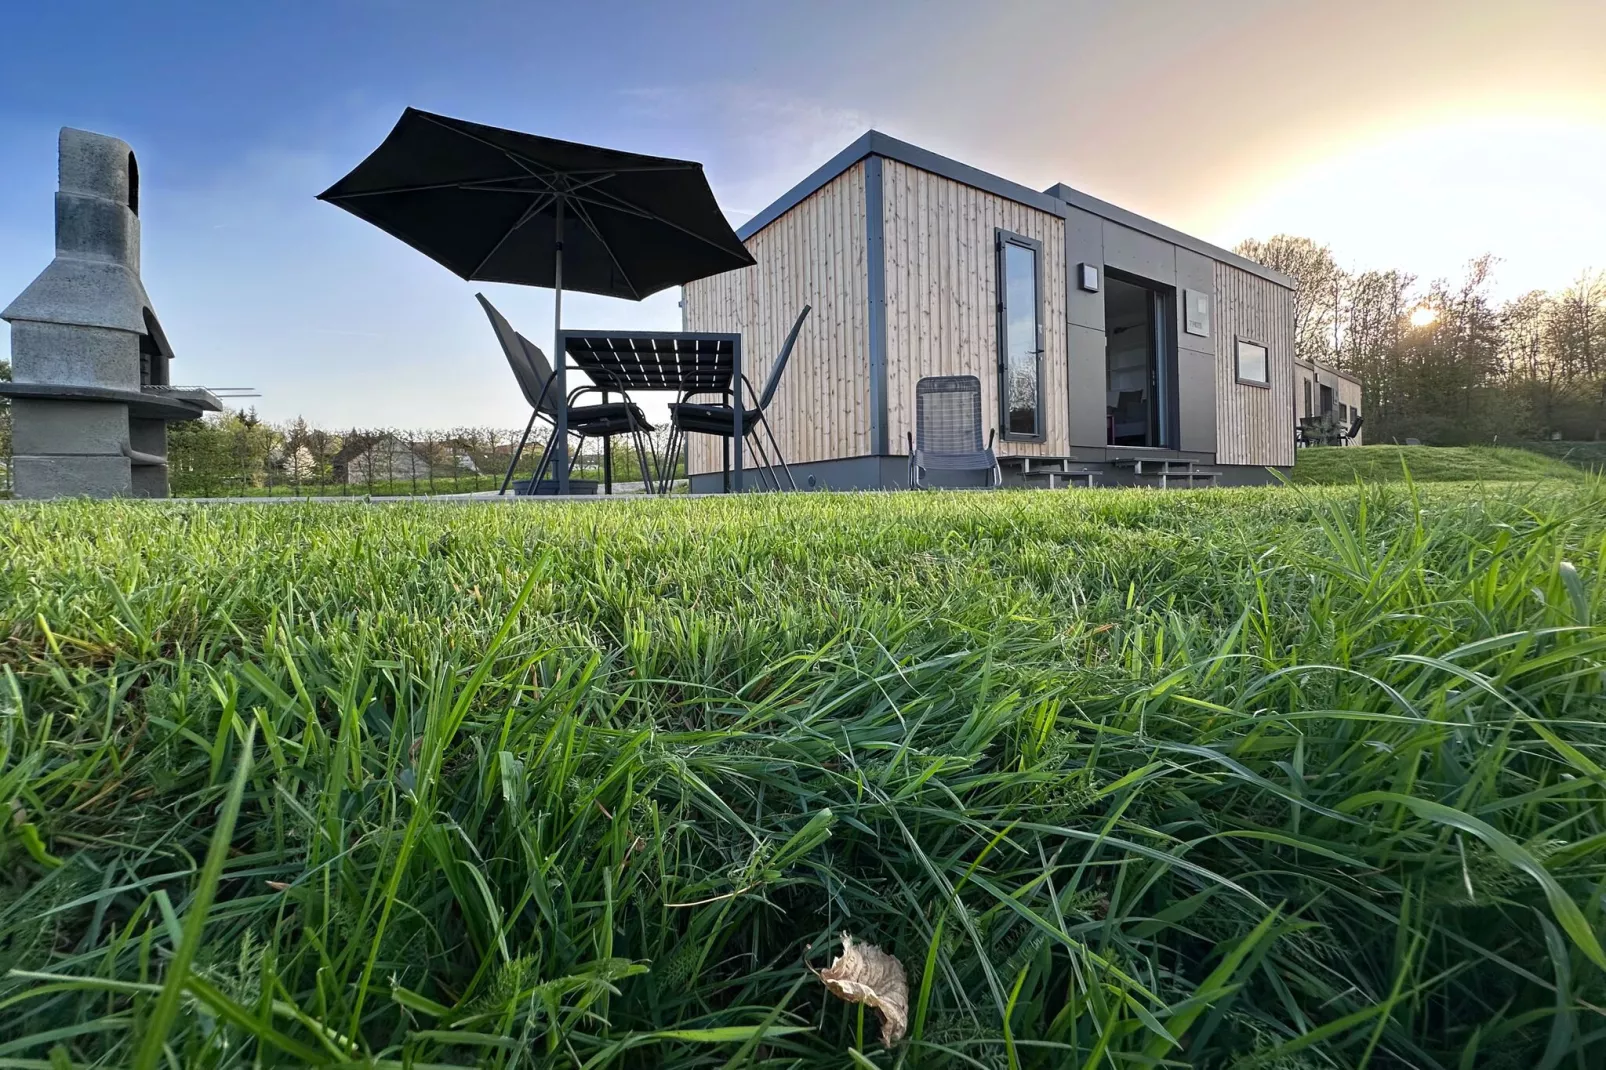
pixel 1289 777
pixel 1586 455
pixel 1427 464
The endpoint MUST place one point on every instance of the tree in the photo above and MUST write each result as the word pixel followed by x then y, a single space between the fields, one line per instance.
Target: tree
pixel 1578 337
pixel 1319 285
pixel 1526 363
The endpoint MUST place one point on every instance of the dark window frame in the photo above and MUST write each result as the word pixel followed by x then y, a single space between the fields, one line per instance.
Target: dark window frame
pixel 1002 239
pixel 1237 362
pixel 1308 402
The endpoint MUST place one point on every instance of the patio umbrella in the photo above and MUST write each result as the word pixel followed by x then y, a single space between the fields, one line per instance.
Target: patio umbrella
pixel 497 205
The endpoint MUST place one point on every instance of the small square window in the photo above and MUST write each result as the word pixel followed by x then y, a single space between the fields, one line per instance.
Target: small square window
pixel 1252 364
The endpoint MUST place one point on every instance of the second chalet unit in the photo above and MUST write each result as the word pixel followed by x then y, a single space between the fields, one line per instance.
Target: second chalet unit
pixel 1107 345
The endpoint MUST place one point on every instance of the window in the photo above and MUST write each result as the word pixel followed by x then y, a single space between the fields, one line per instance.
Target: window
pixel 1307 399
pixel 133 185
pixel 1252 364
pixel 1343 414
pixel 1020 336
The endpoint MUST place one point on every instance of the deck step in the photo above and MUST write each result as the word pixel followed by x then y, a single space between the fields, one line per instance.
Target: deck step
pixel 1052 472
pixel 1166 473
pixel 1054 480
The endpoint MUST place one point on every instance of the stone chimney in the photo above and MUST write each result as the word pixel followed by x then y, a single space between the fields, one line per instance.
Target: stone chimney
pixel 90 394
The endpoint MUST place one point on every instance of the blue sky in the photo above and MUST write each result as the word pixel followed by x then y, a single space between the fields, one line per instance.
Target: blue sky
pixel 1406 138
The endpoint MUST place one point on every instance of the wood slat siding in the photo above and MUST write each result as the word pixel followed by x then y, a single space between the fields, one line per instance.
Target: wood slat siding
pixel 814 254
pixel 1254 425
pixel 942 298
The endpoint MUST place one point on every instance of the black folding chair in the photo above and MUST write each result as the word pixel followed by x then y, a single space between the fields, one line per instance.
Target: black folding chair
pixel 947 435
pixel 720 420
pixel 535 376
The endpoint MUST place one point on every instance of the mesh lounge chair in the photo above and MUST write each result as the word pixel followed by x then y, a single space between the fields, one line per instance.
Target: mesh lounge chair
pixel 1353 432
pixel 947 435
pixel 535 378
pixel 720 420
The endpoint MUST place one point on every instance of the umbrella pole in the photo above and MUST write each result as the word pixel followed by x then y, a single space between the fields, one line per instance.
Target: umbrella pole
pixel 560 358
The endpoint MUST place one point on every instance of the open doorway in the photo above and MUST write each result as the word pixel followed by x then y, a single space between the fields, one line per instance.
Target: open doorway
pixel 1138 396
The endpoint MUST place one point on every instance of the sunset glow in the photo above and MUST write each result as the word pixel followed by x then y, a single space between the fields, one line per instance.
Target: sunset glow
pixel 1424 315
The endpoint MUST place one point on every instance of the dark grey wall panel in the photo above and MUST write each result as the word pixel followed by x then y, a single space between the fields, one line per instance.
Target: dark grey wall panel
pixel 1084 244
pixel 1139 254
pixel 1089 425
pixel 1198 273
pixel 1196 400
pixel 847 473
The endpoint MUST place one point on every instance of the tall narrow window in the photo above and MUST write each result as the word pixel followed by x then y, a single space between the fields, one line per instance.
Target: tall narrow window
pixel 133 185
pixel 1307 398
pixel 1020 336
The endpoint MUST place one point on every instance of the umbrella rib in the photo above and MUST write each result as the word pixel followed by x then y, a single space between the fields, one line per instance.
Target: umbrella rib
pixel 624 205
pixel 537 204
pixel 585 217
pixel 475 183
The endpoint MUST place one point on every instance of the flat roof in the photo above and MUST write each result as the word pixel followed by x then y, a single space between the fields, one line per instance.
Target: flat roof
pixel 1052 200
pixel 1318 366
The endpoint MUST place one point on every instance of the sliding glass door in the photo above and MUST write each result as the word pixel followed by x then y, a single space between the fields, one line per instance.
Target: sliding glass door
pixel 1139 392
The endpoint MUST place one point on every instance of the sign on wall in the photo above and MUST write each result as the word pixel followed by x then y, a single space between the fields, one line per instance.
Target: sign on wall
pixel 1197 315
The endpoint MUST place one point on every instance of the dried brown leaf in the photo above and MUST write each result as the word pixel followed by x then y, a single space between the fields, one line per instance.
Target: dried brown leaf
pixel 863 973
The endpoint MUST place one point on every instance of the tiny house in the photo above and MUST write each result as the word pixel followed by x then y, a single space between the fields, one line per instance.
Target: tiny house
pixel 1105 343
pixel 1324 390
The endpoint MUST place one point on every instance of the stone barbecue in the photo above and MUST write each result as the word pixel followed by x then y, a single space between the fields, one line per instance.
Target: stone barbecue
pixel 91 396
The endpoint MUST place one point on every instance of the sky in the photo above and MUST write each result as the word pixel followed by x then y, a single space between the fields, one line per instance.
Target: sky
pixel 1411 134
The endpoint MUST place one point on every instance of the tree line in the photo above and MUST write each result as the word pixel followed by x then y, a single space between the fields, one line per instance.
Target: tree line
pixel 236 453
pixel 1444 361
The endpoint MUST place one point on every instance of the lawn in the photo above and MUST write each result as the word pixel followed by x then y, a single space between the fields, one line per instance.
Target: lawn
pixel 1281 777
pixel 1426 464
pixel 1587 455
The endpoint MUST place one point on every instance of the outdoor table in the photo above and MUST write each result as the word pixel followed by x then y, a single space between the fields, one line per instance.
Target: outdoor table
pixel 684 362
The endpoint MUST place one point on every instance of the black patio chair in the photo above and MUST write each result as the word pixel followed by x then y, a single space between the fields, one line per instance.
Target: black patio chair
pixel 720 420
pixel 1353 432
pixel 535 377
pixel 947 434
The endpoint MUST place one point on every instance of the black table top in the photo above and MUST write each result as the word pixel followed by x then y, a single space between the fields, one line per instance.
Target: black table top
pixel 654 360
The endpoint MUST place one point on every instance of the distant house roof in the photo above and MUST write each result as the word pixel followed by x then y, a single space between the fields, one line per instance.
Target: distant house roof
pixel 1053 200
pixel 360 444
pixel 1318 366
pixel 356 446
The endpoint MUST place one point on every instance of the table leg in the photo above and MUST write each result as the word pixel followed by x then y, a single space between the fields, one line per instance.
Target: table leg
pixel 737 410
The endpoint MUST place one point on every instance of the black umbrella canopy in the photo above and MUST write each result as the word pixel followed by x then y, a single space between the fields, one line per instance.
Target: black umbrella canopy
pixel 484 203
